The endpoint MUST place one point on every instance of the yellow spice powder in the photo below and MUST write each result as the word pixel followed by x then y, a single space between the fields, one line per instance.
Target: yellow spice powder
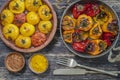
pixel 39 63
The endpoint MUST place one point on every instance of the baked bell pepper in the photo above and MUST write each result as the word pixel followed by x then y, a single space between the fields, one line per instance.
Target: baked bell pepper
pixel 84 22
pixel 77 10
pixel 79 35
pixel 23 42
pixel 67 36
pixel 45 12
pixel 95 31
pixel 7 17
pixel 68 23
pixel 10 31
pixel 80 46
pixel 17 6
pixel 94 47
pixel 110 27
pixel 92 9
pixel 102 17
pixel 33 5
pixel 45 26
pixel 108 38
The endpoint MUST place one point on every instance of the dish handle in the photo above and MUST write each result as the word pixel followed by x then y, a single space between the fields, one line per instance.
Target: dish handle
pixel 111 54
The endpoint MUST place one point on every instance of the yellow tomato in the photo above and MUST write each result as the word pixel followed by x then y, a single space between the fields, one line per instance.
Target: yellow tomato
pixel 17 6
pixel 45 26
pixel 7 17
pixel 10 31
pixel 27 29
pixel 44 12
pixel 33 5
pixel 23 42
pixel 33 18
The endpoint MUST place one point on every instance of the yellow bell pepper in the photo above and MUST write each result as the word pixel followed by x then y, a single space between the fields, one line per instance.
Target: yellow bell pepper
pixel 95 47
pixel 45 26
pixel 95 31
pixel 109 27
pixel 84 22
pixel 102 45
pixel 33 5
pixel 68 23
pixel 27 29
pixel 10 31
pixel 17 6
pixel 104 16
pixel 44 12
pixel 23 42
pixel 67 36
pixel 7 17
pixel 33 18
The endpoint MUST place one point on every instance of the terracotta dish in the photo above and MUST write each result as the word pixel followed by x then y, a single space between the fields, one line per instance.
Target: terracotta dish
pixel 32 48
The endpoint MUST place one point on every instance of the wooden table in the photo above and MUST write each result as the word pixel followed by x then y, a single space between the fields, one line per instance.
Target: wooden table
pixel 55 49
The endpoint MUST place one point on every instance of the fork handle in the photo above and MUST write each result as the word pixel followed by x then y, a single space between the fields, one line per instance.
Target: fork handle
pixel 98 70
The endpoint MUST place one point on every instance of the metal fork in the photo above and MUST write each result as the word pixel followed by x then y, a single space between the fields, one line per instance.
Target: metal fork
pixel 72 63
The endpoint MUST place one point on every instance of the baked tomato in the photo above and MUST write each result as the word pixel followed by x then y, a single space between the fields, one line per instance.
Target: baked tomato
pixel 38 39
pixel 19 19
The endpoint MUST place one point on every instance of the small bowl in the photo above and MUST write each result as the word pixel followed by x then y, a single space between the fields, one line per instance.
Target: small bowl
pixel 14 62
pixel 40 62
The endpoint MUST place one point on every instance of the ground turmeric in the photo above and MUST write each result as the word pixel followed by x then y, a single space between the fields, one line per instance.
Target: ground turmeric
pixel 38 63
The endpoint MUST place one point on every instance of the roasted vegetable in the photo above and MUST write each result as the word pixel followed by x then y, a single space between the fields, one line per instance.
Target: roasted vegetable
pixel 92 9
pixel 44 12
pixel 96 31
pixel 19 19
pixel 23 42
pixel 27 29
pixel 17 6
pixel 33 5
pixel 68 23
pixel 94 47
pixel 32 18
pixel 7 17
pixel 67 36
pixel 79 35
pixel 108 38
pixel 45 26
pixel 80 46
pixel 38 39
pixel 77 10
pixel 10 31
pixel 102 17
pixel 84 22
pixel 111 27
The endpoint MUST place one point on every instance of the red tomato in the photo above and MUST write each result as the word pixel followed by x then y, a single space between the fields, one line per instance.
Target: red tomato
pixel 19 19
pixel 38 39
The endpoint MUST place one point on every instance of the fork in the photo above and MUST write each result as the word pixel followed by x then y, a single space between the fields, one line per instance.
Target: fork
pixel 72 63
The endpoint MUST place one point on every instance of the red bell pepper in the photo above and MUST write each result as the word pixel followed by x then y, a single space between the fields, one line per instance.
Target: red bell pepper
pixel 77 10
pixel 92 9
pixel 80 46
pixel 108 38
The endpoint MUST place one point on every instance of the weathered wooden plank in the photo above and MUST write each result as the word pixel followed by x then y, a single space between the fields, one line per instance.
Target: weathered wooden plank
pixel 55 49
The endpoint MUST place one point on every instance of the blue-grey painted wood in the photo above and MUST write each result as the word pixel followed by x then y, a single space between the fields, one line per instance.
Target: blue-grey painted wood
pixel 55 49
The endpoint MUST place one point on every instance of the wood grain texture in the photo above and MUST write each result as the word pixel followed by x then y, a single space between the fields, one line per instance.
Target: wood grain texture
pixel 55 49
